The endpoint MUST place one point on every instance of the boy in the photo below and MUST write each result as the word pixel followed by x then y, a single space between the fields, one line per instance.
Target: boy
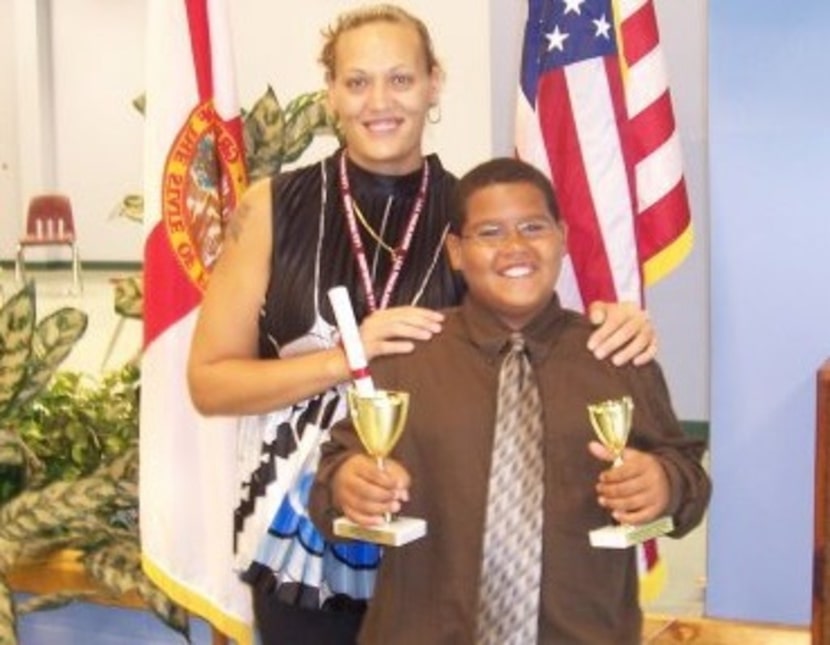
pixel 507 240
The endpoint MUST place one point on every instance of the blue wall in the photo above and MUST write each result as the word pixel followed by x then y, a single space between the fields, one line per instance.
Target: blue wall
pixel 770 299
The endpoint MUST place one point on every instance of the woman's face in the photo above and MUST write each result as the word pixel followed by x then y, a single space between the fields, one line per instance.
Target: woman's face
pixel 381 93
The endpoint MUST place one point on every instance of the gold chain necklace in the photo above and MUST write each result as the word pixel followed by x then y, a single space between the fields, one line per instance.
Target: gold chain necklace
pixel 377 238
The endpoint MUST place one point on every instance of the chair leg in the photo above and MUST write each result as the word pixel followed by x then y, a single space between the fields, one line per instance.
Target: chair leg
pixel 119 326
pixel 19 266
pixel 76 270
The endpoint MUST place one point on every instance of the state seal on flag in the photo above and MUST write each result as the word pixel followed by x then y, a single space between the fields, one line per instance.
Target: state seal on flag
pixel 204 175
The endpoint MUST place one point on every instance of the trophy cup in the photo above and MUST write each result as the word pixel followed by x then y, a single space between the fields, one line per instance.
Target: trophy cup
pixel 611 421
pixel 379 417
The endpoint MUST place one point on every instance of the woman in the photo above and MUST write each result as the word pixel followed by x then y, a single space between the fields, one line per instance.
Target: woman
pixel 373 217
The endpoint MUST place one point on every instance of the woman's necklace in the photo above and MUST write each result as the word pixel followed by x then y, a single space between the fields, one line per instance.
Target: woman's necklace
pixel 373 234
pixel 398 253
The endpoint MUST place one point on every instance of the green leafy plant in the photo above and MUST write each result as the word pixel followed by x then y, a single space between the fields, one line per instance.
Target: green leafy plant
pixel 75 425
pixel 68 463
pixel 273 136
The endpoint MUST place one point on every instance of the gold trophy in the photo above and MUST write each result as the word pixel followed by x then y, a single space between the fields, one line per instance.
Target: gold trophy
pixel 379 417
pixel 612 423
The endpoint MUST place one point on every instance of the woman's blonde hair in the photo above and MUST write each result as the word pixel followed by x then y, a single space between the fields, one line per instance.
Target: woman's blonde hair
pixel 367 15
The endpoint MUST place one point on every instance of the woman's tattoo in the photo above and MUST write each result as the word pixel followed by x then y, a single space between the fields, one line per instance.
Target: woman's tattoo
pixel 238 220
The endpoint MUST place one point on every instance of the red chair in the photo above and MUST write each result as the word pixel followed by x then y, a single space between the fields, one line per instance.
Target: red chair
pixel 49 222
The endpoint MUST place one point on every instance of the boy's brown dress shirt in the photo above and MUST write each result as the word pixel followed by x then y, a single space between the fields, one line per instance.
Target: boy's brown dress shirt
pixel 426 591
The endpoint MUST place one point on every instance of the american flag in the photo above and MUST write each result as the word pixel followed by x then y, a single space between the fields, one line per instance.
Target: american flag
pixel 594 113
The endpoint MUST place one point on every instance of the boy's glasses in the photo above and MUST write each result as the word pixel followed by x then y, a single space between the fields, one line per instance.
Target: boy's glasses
pixel 497 234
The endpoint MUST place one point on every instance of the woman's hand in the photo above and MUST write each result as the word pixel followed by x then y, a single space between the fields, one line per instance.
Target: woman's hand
pixel 365 493
pixel 395 330
pixel 624 330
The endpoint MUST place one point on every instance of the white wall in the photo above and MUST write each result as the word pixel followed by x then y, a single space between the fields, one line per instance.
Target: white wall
pixel 26 130
pixel 98 62
pixel 679 303
pixel 9 201
pixel 770 161
pixel 97 52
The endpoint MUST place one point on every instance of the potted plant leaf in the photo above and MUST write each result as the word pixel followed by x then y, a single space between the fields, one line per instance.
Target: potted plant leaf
pixel 68 464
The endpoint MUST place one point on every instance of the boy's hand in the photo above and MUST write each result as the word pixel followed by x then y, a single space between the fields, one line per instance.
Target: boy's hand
pixel 624 330
pixel 636 491
pixel 364 492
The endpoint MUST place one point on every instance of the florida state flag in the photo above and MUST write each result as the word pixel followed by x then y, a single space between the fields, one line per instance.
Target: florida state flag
pixel 194 174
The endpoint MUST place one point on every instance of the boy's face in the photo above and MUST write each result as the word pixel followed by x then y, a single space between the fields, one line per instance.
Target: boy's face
pixel 510 251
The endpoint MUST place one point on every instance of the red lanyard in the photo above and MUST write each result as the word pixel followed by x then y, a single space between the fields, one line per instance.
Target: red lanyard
pixel 398 256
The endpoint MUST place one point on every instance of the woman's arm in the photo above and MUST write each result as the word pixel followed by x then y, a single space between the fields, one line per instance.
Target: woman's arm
pixel 624 332
pixel 225 373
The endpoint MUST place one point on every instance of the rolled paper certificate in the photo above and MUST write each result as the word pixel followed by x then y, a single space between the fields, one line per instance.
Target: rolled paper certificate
pixel 352 344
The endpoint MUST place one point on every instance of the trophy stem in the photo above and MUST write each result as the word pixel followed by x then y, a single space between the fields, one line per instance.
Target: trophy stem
pixel 387 517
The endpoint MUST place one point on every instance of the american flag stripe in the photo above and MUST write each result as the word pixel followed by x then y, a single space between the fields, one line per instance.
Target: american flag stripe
pixel 586 162
pixel 664 241
pixel 664 232
pixel 659 173
pixel 530 146
pixel 653 127
pixel 645 82
pixel 638 26
pixel 595 98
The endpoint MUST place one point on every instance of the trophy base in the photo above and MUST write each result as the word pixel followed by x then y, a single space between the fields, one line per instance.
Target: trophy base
pixel 400 531
pixel 622 536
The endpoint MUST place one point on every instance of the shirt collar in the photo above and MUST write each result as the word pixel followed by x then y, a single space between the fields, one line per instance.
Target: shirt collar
pixel 492 336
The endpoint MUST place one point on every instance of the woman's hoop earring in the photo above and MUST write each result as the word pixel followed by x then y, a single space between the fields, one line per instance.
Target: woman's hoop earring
pixel 434 113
